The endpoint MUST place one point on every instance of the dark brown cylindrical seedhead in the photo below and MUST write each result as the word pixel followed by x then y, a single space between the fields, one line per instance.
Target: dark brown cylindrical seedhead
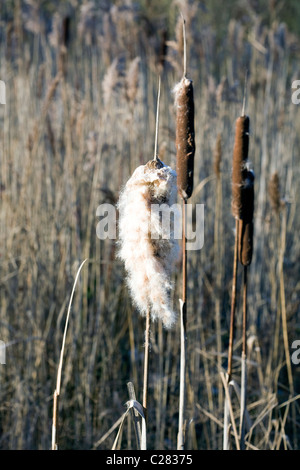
pixel 239 170
pixel 274 192
pixel 245 242
pixel 185 137
pixel 246 220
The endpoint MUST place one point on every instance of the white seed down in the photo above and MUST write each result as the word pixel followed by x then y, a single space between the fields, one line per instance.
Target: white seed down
pixel 149 259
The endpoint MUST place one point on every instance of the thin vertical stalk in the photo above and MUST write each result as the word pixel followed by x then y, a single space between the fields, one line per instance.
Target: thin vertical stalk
pixel 146 363
pixel 183 336
pixel 243 365
pixel 59 371
pixel 233 301
pixel 155 156
pixel 231 335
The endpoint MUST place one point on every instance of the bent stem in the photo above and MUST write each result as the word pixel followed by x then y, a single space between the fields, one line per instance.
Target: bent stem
pixel 59 371
pixel 183 336
pixel 231 335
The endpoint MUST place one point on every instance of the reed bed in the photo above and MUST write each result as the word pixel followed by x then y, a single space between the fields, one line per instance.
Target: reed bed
pixel 80 115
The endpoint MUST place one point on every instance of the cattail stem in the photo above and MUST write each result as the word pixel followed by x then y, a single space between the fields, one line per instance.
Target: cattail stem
pixel 231 335
pixel 135 415
pixel 146 363
pixel 155 157
pixel 59 371
pixel 233 300
pixel 244 341
pixel 243 364
pixel 184 46
pixel 54 445
pixel 183 336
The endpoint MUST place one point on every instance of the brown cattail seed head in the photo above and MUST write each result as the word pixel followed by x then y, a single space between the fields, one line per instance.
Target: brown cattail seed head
pixel 154 164
pixel 274 192
pixel 185 137
pixel 239 169
pixel 245 242
pixel 246 220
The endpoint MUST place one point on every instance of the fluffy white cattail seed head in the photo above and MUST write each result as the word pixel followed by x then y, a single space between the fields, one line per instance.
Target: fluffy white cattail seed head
pixel 148 257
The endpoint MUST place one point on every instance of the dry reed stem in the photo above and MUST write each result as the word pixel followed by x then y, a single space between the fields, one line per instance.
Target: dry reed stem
pixel 231 336
pixel 59 371
pixel 146 363
pixel 233 301
pixel 218 156
pixel 185 152
pixel 243 364
pixel 183 337
pixel 135 415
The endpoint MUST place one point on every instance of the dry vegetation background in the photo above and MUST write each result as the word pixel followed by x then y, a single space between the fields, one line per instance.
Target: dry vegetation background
pixel 81 84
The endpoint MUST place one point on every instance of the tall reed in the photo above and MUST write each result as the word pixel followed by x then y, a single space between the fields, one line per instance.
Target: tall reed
pixel 245 257
pixel 148 252
pixel 185 152
pixel 242 210
pixel 56 394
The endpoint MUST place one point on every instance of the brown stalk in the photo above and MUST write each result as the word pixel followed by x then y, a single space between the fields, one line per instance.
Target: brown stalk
pixel 242 210
pixel 233 303
pixel 239 171
pixel 185 151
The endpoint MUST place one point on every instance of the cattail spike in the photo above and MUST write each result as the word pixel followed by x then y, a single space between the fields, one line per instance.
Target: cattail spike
pixel 246 222
pixel 239 163
pixel 274 193
pixel 157 120
pixel 185 137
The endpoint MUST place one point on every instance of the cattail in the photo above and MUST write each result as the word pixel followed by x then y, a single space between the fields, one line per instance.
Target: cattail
pixel 245 243
pixel 185 131
pixel 131 80
pixel 274 193
pixel 111 80
pixel 239 164
pixel 149 255
pixel 185 136
pixel 246 211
